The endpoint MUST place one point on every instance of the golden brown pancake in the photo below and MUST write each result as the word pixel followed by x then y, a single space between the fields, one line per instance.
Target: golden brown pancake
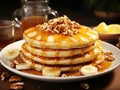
pixel 56 52
pixel 41 39
pixel 61 43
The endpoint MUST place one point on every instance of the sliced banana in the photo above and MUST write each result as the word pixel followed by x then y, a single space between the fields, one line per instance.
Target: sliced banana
pixel 51 72
pixel 11 53
pixel 88 70
pixel 23 66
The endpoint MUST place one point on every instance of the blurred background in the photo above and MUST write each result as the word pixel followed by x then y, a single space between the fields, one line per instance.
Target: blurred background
pixel 82 11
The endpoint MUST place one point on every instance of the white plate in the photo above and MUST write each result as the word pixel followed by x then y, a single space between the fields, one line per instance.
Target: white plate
pixel 107 47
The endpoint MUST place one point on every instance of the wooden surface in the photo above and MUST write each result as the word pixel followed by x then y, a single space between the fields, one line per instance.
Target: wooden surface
pixel 109 81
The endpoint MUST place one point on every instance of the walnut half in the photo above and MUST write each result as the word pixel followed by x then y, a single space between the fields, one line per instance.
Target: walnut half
pixel 17 86
pixel 15 79
pixel 4 75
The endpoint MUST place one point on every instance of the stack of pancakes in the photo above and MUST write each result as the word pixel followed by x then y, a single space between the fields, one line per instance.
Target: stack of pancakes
pixel 62 44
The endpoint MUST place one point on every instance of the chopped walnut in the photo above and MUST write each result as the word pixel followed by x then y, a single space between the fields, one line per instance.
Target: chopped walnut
pixel 85 85
pixel 15 79
pixel 109 56
pixel 4 75
pixel 17 86
pixel 63 75
pixel 12 64
pixel 16 61
pixel 61 25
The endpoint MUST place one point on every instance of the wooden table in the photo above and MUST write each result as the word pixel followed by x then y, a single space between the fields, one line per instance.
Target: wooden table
pixel 109 81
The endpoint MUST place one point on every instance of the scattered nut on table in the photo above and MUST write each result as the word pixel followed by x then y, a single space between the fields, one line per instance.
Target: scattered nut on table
pixel 15 79
pixel 17 86
pixel 4 75
pixel 85 85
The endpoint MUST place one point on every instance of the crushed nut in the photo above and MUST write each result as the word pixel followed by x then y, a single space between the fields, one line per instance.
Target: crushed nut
pixel 17 86
pixel 84 85
pixel 109 56
pixel 12 64
pixel 4 75
pixel 15 79
pixel 99 66
pixel 16 61
pixel 63 75
pixel 61 25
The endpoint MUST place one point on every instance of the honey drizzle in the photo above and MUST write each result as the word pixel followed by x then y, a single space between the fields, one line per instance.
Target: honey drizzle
pixel 60 37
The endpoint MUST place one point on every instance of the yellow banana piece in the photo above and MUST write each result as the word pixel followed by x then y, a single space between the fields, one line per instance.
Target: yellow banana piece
pixel 51 72
pixel 11 53
pixel 88 70
pixel 23 66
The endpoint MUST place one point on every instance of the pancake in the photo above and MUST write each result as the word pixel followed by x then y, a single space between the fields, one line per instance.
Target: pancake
pixel 76 59
pixel 56 52
pixel 44 39
pixel 61 43
pixel 64 68
pixel 62 61
pixel 39 67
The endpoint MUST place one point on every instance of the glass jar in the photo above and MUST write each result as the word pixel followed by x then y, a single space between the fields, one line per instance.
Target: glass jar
pixel 33 12
pixel 7 36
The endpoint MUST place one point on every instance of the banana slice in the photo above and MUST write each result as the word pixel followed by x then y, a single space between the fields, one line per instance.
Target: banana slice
pixel 23 66
pixel 89 70
pixel 51 72
pixel 11 53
